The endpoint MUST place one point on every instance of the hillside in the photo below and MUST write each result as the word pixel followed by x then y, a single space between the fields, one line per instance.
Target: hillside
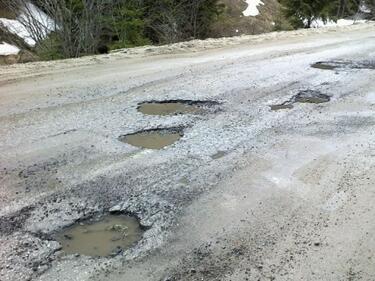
pixel 132 25
pixel 233 22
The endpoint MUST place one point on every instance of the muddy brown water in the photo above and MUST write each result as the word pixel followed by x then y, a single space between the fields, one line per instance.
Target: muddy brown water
pixel 175 107
pixel 153 139
pixel 104 237
pixel 169 108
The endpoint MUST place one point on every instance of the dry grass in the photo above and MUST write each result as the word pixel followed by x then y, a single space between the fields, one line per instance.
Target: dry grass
pixel 6 13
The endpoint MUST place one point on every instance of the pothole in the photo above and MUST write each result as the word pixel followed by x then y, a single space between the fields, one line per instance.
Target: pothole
pixel 282 106
pixel 175 107
pixel 311 96
pixel 153 139
pixel 323 65
pixel 101 237
pixel 332 65
pixel 306 96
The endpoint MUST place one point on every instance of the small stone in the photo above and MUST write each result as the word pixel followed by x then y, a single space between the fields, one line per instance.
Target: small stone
pixel 115 209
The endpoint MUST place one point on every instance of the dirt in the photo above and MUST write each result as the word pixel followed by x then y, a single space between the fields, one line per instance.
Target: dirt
pixel 246 194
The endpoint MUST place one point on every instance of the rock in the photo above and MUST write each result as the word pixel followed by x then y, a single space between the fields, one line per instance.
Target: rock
pixel 115 209
pixel 10 59
pixel 27 56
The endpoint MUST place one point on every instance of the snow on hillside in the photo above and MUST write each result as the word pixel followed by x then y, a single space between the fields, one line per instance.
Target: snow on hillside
pixel 252 8
pixel 31 15
pixel 7 49
pixel 17 28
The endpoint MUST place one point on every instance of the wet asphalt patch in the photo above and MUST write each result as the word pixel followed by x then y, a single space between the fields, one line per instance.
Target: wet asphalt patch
pixel 340 64
pixel 282 106
pixel 306 96
pixel 101 237
pixel 175 107
pixel 154 138
pixel 311 96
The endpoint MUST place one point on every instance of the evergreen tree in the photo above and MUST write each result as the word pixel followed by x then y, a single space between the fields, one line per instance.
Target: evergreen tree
pixel 301 13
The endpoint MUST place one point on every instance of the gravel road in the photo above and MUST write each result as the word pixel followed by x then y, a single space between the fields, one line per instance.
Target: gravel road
pixel 247 193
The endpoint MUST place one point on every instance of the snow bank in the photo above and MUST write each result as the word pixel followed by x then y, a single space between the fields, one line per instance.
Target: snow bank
pixel 38 19
pixel 17 28
pixel 7 49
pixel 341 22
pixel 252 8
pixel 32 16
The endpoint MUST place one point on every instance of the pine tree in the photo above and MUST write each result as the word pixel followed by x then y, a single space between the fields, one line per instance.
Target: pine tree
pixel 301 13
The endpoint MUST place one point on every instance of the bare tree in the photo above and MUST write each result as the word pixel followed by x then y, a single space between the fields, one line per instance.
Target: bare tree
pixel 370 6
pixel 75 29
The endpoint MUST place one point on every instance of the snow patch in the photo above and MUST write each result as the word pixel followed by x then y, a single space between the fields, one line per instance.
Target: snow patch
pixel 364 9
pixel 17 28
pixel 252 8
pixel 7 49
pixel 341 22
pixel 33 17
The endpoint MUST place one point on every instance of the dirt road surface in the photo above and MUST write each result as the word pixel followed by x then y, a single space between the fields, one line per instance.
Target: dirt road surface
pixel 247 193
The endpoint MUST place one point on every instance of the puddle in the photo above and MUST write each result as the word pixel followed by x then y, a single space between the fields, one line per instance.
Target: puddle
pixel 175 107
pixel 153 139
pixel 107 236
pixel 307 96
pixel 332 65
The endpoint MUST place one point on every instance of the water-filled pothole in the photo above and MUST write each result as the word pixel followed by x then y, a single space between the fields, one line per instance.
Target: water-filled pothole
pixel 153 139
pixel 105 236
pixel 332 65
pixel 307 96
pixel 175 107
